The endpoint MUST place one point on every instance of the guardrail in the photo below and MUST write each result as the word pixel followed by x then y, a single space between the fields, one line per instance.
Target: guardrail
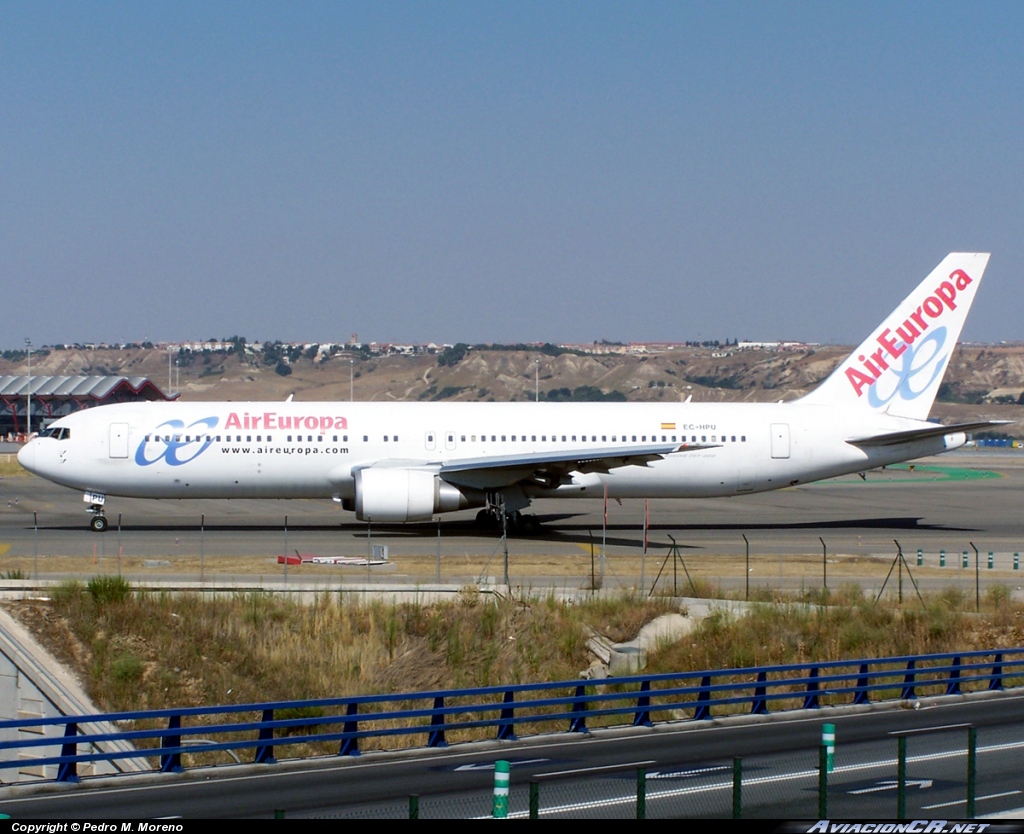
pixel 641 700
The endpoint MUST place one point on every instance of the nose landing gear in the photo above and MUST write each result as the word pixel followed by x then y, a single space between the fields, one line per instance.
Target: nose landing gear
pixel 98 523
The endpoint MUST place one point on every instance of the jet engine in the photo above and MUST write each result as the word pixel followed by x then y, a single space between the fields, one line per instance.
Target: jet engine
pixel 397 495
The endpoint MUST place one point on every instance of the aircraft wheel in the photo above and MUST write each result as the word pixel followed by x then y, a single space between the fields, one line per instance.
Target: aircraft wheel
pixel 98 524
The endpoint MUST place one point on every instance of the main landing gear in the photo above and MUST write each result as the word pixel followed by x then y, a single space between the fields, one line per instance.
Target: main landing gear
pixel 515 522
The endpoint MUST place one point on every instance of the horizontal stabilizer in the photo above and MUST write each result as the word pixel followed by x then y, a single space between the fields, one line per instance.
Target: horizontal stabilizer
pixel 897 438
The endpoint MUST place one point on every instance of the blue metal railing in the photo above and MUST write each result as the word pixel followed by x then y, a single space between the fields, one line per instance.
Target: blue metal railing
pixel 501 709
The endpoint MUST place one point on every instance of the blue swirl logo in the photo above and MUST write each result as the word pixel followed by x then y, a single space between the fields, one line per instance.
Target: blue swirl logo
pixel 170 445
pixel 922 358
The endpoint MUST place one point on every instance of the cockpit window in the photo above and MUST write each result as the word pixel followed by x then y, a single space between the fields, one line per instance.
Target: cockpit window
pixel 55 432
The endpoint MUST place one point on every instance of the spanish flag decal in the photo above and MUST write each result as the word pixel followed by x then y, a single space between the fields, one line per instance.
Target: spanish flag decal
pixel 668 426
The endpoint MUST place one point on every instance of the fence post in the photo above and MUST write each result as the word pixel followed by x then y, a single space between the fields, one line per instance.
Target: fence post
pixel 942 558
pixel 578 722
pixel 920 557
pixel 972 769
pixel 901 778
pixel 822 783
pixel 737 788
pixel 703 710
pixel 171 762
pixel 909 693
pixel 68 771
pixel 265 752
pixel 350 745
pixel 811 696
pixel 414 806
pixel 501 778
pixel 991 560
pixel 996 682
pixel 642 718
pixel 759 705
pixel 506 726
pixel 953 681
pixel 828 741
pixel 437 722
pixel 862 696
pixel 535 800
pixel 641 793
pixel 1016 561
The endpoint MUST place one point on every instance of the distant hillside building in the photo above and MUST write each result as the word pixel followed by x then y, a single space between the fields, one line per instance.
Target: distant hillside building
pixel 55 396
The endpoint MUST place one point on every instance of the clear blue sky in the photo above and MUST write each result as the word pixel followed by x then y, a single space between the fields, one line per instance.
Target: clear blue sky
pixel 503 171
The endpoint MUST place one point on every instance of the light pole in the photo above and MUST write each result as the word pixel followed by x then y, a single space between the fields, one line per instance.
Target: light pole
pixel 351 379
pixel 536 381
pixel 28 391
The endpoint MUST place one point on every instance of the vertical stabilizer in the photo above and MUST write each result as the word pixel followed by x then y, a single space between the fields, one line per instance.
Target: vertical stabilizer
pixel 898 369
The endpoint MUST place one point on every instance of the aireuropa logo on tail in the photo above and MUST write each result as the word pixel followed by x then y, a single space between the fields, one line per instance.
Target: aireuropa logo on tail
pixel 175 443
pixel 909 360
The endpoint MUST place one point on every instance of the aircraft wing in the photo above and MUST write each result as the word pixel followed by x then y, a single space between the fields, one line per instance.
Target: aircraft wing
pixel 552 468
pixel 897 438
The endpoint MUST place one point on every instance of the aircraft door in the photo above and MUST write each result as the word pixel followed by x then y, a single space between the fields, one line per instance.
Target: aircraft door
pixel 780 441
pixel 118 440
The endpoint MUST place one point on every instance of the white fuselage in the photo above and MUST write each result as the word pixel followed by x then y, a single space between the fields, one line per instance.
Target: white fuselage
pixel 314 450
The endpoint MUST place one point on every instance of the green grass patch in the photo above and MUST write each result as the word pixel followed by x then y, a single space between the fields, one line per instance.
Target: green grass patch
pixel 10 468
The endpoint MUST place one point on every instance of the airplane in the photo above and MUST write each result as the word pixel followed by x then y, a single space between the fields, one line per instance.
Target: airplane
pixel 406 462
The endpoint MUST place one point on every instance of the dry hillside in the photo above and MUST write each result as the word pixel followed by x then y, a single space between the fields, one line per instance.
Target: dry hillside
pixel 982 381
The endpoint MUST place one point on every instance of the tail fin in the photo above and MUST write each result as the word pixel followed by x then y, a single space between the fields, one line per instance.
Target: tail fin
pixel 898 369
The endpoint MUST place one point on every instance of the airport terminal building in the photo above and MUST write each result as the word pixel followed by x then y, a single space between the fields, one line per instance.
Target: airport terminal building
pixel 55 396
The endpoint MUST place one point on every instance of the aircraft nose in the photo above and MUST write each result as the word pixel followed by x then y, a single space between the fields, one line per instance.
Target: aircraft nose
pixel 27 456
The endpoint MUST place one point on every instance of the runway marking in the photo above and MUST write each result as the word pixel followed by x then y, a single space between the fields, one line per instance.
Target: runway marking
pixel 4 548
pixel 964 801
pixel 603 768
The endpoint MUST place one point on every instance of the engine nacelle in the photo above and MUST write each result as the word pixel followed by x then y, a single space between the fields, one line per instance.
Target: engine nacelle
pixel 390 495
